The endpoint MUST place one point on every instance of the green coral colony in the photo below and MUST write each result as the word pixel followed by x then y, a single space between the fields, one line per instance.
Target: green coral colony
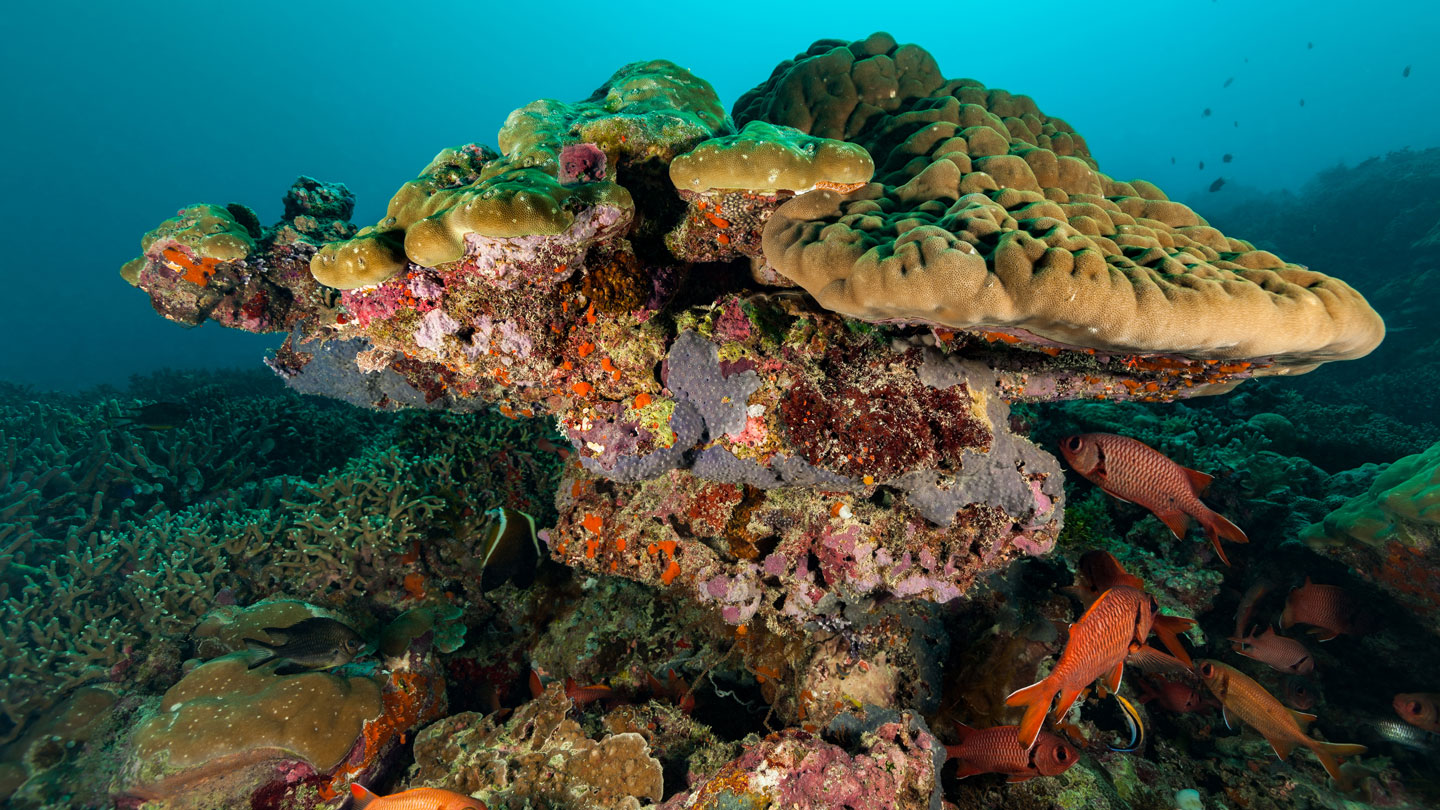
pixel 775 397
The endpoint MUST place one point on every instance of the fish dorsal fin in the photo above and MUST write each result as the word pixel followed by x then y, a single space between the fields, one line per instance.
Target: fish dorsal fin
pixel 278 635
pixel 363 798
pixel 1302 719
pixel 964 732
pixel 1200 481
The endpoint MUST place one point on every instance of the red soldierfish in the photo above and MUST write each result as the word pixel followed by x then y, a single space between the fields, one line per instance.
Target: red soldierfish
pixel 1247 701
pixel 1099 571
pixel 1328 608
pixel 1116 625
pixel 1133 471
pixel 1175 696
pixel 998 750
pixel 1419 709
pixel 1276 651
pixel 415 799
pixel 1246 609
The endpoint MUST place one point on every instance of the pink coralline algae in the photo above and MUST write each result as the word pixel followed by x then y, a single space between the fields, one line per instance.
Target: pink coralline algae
pixel 581 163
pixel 894 767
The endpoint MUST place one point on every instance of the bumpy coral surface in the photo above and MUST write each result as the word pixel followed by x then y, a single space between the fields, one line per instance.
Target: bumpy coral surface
pixel 987 213
pixel 1391 532
pixel 538 757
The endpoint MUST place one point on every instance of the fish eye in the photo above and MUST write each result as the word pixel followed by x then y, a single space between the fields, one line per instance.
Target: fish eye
pixel 1061 754
pixel 1072 443
pixel 1206 670
pixel 1414 707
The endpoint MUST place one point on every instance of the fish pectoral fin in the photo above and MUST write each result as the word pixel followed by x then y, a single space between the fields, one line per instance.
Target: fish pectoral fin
pixel 1225 715
pixel 1282 746
pixel 1321 634
pixel 967 770
pixel 1112 679
pixel 1176 521
pixel 362 798
pixel 1201 481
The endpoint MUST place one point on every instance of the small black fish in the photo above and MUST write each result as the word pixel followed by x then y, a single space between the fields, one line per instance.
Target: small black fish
pixel 1405 74
pixel 1302 102
pixel 1205 114
pixel 314 643
pixel 1227 158
pixel 1237 124
pixel 1172 160
pixel 156 416
pixel 1202 165
pixel 1309 46
pixel 1218 184
pixel 1228 82
pixel 509 550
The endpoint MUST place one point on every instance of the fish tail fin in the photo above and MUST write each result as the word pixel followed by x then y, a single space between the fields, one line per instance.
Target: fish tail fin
pixel 1218 527
pixel 256 645
pixel 361 796
pixel 1331 753
pixel 1168 630
pixel 1036 699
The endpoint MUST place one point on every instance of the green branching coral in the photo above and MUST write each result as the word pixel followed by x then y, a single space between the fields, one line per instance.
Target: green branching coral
pixel 114 542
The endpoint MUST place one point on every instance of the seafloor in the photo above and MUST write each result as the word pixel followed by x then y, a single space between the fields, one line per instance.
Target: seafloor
pixel 798 503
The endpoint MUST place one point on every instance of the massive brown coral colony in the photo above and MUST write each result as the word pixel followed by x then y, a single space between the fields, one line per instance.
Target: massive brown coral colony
pixel 601 269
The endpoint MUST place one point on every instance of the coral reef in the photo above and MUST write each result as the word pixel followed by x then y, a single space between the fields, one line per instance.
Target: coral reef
pixel 777 400
pixel 539 756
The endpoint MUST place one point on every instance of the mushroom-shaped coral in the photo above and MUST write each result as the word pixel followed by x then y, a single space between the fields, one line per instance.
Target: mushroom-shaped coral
pixel 989 215
pixel 765 157
pixel 732 184
pixel 647 110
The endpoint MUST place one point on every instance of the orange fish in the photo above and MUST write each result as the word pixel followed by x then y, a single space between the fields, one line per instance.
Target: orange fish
pixel 1276 651
pixel 1419 710
pixel 1116 625
pixel 1133 471
pixel 585 695
pixel 998 750
pixel 1247 701
pixel 1246 609
pixel 674 689
pixel 1328 608
pixel 414 799
pixel 1181 698
pixel 1099 571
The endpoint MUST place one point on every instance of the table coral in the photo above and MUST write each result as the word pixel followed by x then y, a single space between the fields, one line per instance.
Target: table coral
pixel 989 214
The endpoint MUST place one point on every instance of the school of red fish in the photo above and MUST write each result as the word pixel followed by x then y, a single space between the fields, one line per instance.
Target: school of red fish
pixel 1120 616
